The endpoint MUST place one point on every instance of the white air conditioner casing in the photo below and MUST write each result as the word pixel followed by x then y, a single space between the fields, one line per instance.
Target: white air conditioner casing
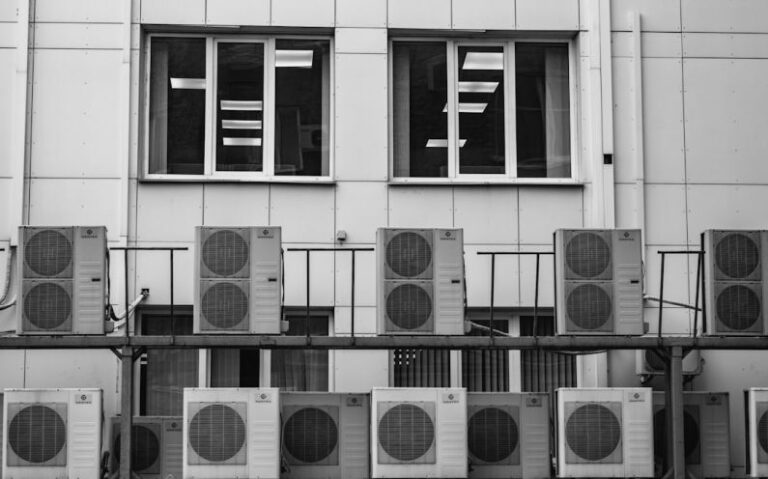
pixel 156 450
pixel 420 281
pixel 418 432
pixel 508 435
pixel 649 363
pixel 231 432
pixel 52 433
pixel 325 435
pixel 63 280
pixel 238 280
pixel 756 414
pixel 736 270
pixel 598 282
pixel 706 421
pixel 604 432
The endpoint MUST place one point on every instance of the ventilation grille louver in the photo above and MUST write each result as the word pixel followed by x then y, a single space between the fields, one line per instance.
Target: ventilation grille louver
pixel 311 436
pixel 737 256
pixel 224 305
pixel 408 255
pixel 587 256
pixel 493 435
pixel 593 433
pixel 37 434
pixel 145 449
pixel 47 305
pixel 48 254
pixel 217 434
pixel 409 306
pixel 406 433
pixel 225 254
pixel 589 306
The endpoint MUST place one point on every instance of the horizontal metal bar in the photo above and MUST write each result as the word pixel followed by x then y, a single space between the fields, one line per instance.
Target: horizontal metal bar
pixel 330 249
pixel 149 248
pixel 675 303
pixel 680 252
pixel 519 253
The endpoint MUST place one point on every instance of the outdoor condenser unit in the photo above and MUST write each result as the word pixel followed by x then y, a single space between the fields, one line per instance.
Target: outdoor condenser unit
pixel 156 447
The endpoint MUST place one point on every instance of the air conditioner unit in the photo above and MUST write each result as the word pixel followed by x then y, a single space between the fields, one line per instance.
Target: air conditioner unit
pixel 649 363
pixel 756 413
pixel 156 447
pixel 420 281
pixel 508 435
pixel 418 432
pixel 599 282
pixel 604 432
pixel 231 432
pixel 238 275
pixel 63 280
pixel 52 433
pixel 735 290
pixel 325 435
pixel 706 431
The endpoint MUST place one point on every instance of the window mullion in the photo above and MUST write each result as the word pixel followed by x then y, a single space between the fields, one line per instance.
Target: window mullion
pixel 209 147
pixel 268 118
pixel 510 106
pixel 453 115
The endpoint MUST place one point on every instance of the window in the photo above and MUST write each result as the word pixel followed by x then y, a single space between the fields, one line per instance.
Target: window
pixel 464 110
pixel 420 368
pixel 544 371
pixel 486 370
pixel 242 107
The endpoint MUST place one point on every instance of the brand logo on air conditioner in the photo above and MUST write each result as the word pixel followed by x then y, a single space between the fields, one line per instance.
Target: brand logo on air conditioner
pixel 627 236
pixel 89 233
pixel 448 236
pixel 354 401
pixel 265 233
pixel 83 399
pixel 533 401
pixel 451 398
pixel 263 397
pixel 636 397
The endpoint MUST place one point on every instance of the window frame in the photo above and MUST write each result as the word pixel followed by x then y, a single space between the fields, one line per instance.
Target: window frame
pixel 510 114
pixel 210 173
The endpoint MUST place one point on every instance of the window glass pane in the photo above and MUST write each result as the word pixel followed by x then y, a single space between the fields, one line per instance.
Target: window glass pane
pixel 421 368
pixel 420 93
pixel 543 110
pixel 166 372
pixel 177 106
pixel 481 110
pixel 232 368
pixel 239 106
pixel 302 370
pixel 544 371
pixel 302 107
pixel 483 369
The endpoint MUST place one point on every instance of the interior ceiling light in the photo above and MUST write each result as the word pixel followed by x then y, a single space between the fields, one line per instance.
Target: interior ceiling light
pixel 484 61
pixel 442 143
pixel 242 105
pixel 293 58
pixel 241 141
pixel 468 107
pixel 478 86
pixel 241 124
pixel 188 83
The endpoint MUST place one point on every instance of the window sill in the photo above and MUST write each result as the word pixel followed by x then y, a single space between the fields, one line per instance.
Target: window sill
pixel 290 180
pixel 485 182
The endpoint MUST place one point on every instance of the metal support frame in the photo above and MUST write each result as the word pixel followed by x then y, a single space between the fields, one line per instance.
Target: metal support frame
pixel 699 287
pixel 126 410
pixel 673 402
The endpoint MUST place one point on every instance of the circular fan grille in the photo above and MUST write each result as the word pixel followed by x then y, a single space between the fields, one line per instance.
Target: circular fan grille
pixel 47 305
pixel 738 307
pixel 145 448
pixel 310 435
pixel 225 253
pixel 737 255
pixel 690 433
pixel 48 253
pixel 409 306
pixel 406 432
pixel 654 361
pixel 37 434
pixel 589 306
pixel 409 254
pixel 592 432
pixel 492 435
pixel 587 255
pixel 762 431
pixel 217 433
pixel 224 305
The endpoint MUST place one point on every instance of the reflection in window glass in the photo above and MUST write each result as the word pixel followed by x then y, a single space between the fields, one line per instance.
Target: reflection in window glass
pixel 233 368
pixel 302 107
pixel 240 106
pixel 421 368
pixel 543 110
pixel 486 369
pixel 177 106
pixel 296 370
pixel 481 110
pixel 420 94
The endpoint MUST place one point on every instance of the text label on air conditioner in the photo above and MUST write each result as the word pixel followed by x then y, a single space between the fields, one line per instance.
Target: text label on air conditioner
pixel 263 397
pixel 83 399
pixel 450 398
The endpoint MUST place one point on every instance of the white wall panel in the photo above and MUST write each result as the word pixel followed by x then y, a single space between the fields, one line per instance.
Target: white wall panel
pixel 7 73
pixel 172 11
pixel 168 212
pixel 484 14
pixel 546 277
pixel 547 15
pixel 625 205
pixel 663 120
pixel 543 210
pixel 725 207
pixel 361 208
pixel 361 13
pixel 655 15
pixel 357 371
pixel 361 129
pixel 624 138
pixel 665 214
pixel 414 207
pixel 153 271
pixel 653 44
pixel 12 372
pixel 236 205
pixel 478 274
pixel 419 14
pixel 237 12
pixel 305 214
pixel 75 123
pixel 725 105
pixel 304 13
pixel 361 40
pixel 718 45
pixel 78 10
pixel 585 122
pixel 78 35
pixel 321 276
pixel 63 202
pixel 365 278
pixel 675 322
pixel 677 276
pixel 8 10
pixel 746 16
pixel 6 230
pixel 488 215
pixel 365 321
pixel 8 35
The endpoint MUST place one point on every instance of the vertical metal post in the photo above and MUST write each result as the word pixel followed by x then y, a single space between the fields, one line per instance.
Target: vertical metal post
pixel 307 317
pixel 661 291
pixel 675 394
pixel 127 303
pixel 352 298
pixel 126 411
pixel 493 287
pixel 696 301
pixel 703 285
pixel 173 317
pixel 536 300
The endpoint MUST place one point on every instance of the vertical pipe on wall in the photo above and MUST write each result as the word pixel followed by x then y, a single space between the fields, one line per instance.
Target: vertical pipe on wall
pixel 18 113
pixel 675 393
pixel 637 111
pixel 126 411
pixel 124 123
